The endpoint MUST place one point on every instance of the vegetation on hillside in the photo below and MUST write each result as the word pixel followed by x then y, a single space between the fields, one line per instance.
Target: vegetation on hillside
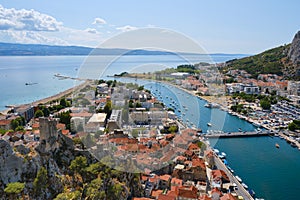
pixel 269 62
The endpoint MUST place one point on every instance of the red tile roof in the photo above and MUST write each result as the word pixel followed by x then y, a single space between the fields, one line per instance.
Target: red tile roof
pixel 219 174
pixel 165 177
pixel 188 192
pixel 198 162
pixel 176 181
pixel 155 193
pixel 228 196
pixel 166 197
pixel 4 122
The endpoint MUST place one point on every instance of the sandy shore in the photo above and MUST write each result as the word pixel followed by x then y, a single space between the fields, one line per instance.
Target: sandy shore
pixel 66 93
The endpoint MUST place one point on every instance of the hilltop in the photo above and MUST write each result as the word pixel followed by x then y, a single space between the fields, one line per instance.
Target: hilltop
pixel 283 61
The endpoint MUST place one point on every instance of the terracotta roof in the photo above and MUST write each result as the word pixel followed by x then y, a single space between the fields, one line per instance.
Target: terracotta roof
pixel 216 190
pixel 81 114
pixel 35 125
pixel 141 198
pixel 166 197
pixel 228 196
pixel 193 147
pixel 208 153
pixel 204 197
pixel 61 126
pixel 165 177
pixel 65 132
pixel 219 174
pixel 176 181
pixel 188 192
pixel 198 162
pixel 155 193
pixel 4 122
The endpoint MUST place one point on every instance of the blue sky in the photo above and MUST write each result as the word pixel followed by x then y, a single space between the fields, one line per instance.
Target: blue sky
pixel 232 26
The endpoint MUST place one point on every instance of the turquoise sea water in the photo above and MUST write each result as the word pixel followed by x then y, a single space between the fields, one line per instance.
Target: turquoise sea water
pixel 272 173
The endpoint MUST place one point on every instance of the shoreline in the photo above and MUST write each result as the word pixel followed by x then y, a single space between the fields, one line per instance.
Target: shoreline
pixel 45 100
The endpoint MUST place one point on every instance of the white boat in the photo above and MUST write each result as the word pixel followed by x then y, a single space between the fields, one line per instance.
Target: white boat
pixel 245 186
pixel 216 151
pixel 223 154
pixel 238 178
pixel 209 124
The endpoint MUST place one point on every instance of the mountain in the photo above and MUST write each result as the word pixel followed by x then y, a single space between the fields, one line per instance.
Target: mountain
pixel 283 60
pixel 11 49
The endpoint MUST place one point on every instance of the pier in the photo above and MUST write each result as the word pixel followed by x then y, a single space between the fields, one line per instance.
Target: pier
pixel 237 134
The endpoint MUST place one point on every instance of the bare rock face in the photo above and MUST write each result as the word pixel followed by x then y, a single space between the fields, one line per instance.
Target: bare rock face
pixel 294 54
pixel 10 164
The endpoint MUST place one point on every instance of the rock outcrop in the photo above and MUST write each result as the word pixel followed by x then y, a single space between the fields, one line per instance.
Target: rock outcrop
pixel 294 55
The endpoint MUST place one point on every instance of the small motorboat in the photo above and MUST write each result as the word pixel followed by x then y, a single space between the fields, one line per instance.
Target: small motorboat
pixel 277 145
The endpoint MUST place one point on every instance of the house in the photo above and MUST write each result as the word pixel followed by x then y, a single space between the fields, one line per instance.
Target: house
pixel 194 170
pixel 228 196
pixel 194 148
pixel 165 181
pixel 209 158
pixel 218 177
pixel 115 120
pixel 5 124
pixel 204 197
pixel 187 193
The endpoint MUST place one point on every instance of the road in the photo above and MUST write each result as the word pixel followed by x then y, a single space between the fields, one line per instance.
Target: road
pixel 241 191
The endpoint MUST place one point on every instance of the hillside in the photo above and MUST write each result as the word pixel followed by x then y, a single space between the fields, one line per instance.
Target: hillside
pixel 283 60
pixel 269 62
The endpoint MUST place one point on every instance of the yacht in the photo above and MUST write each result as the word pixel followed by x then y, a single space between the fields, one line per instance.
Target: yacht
pixel 245 186
pixel 238 178
pixel 209 124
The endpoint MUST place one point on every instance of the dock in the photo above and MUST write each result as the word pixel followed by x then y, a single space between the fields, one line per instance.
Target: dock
pixel 237 134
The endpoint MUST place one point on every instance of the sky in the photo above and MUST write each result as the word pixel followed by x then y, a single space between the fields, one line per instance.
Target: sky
pixel 218 26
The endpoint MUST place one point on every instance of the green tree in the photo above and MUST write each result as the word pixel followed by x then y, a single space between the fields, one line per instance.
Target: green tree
pixel 265 104
pixel 63 102
pixel 40 181
pixel 46 111
pixel 141 88
pixel 292 126
pixel 14 124
pixel 38 113
pixel 65 118
pixel 20 128
pixel 79 164
pixel 173 129
pixel 76 195
pixel 14 189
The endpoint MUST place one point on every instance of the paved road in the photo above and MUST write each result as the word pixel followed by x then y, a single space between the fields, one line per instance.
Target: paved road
pixel 241 190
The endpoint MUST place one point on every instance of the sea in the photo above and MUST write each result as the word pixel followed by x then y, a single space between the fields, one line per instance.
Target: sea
pixel 271 172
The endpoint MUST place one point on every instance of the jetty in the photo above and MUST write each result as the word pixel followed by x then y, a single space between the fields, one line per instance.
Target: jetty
pixel 237 134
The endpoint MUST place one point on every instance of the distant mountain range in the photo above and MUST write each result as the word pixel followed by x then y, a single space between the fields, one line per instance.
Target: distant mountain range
pixel 14 49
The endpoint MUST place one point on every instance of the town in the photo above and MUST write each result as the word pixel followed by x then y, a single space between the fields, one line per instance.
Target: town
pixel 125 127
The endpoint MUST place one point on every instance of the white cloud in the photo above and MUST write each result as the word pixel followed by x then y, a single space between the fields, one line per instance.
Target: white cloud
pixel 29 37
pixel 30 20
pixel 127 28
pixel 98 21
pixel 91 30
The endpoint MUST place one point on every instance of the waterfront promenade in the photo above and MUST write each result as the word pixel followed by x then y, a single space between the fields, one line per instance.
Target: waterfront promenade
pixel 237 134
pixel 240 190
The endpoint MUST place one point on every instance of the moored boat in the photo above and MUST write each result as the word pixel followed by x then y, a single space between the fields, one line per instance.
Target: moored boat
pixel 277 145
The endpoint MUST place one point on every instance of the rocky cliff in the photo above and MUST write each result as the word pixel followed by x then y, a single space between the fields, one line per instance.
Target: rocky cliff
pixel 294 55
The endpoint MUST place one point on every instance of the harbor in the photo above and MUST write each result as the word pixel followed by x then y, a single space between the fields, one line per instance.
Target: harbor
pixel 219 134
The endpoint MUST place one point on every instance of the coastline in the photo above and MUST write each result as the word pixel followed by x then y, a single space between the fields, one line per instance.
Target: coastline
pixel 45 100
